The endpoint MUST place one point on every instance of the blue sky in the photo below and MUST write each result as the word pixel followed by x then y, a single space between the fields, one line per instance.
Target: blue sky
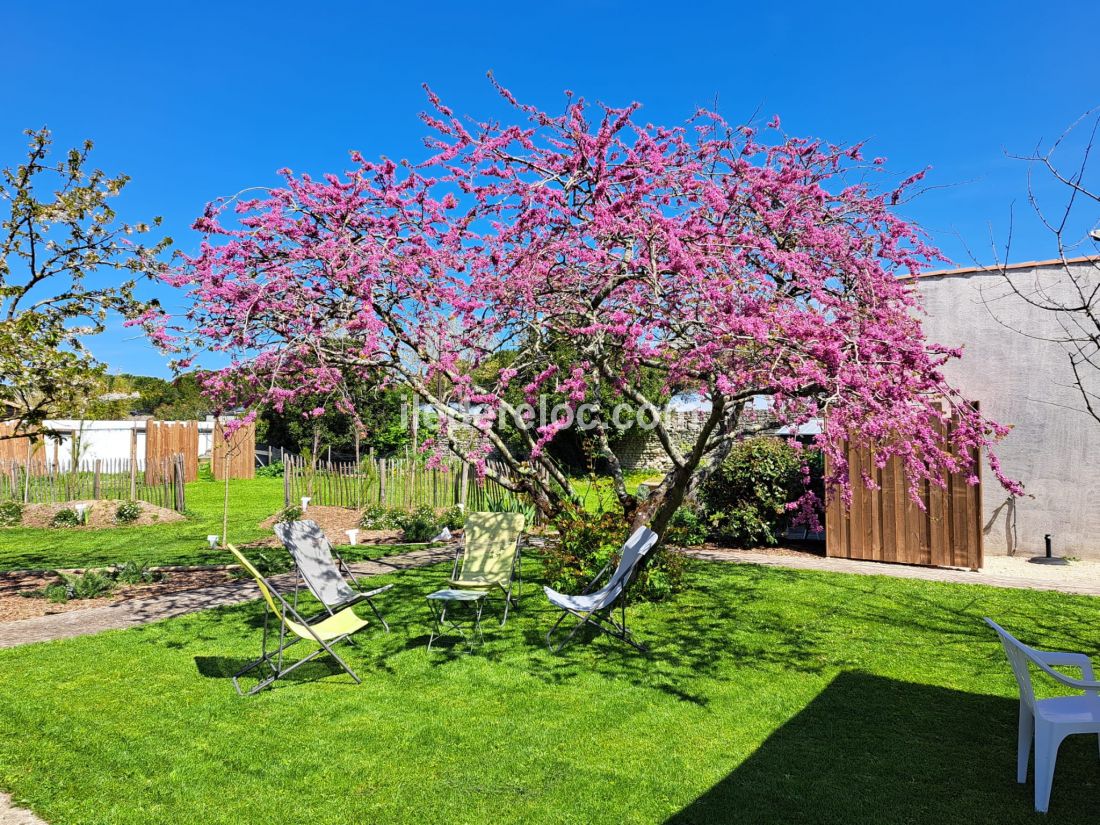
pixel 200 99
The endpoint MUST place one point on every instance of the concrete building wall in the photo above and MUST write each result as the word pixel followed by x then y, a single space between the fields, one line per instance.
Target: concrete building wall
pixel 1025 381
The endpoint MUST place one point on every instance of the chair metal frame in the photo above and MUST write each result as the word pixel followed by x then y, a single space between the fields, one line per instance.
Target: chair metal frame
pixel 343 568
pixel 515 576
pixel 274 659
pixel 603 618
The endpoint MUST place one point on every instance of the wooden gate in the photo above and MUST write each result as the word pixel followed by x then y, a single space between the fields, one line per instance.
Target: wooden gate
pixel 240 450
pixel 166 439
pixel 887 525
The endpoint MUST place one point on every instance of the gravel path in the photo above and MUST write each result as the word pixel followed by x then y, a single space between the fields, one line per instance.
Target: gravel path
pixel 140 611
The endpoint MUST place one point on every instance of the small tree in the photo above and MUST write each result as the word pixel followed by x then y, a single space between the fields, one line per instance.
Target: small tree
pixel 729 264
pixel 58 234
pixel 1071 296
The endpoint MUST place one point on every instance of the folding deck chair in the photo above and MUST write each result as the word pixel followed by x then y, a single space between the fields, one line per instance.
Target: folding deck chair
pixel 490 556
pixel 325 633
pixel 596 609
pixel 322 569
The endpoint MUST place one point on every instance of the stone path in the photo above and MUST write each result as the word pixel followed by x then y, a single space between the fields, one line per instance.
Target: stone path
pixel 1081 577
pixel 16 816
pixel 140 611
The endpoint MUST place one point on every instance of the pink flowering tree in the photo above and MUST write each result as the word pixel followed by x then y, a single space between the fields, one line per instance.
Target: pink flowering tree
pixel 729 262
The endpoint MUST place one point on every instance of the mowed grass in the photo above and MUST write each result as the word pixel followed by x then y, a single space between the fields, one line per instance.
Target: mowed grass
pixel 769 696
pixel 183 542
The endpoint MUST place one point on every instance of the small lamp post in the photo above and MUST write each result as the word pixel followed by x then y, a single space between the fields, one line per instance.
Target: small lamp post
pixel 81 512
pixel 212 541
pixel 305 503
pixel 353 535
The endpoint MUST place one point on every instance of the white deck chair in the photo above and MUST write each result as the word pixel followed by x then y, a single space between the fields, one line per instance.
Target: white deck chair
pixel 323 570
pixel 594 609
pixel 1048 721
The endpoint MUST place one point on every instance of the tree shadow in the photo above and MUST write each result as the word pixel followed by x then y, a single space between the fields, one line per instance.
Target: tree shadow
pixel 874 750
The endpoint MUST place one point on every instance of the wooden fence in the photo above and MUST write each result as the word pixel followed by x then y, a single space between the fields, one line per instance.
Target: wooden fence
pixel 240 450
pixel 45 482
pixel 393 482
pixel 887 525
pixel 163 441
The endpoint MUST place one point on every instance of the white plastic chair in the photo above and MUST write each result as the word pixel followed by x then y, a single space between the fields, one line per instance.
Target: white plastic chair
pixel 1048 721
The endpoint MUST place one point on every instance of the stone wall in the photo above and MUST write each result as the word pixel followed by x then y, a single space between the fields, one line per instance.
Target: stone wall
pixel 641 450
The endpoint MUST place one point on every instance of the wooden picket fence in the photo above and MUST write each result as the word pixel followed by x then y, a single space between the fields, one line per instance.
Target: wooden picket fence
pixel 393 482
pixel 46 482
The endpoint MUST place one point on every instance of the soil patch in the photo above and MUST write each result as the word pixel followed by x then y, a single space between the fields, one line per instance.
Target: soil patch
pixel 100 514
pixel 333 521
pixel 14 607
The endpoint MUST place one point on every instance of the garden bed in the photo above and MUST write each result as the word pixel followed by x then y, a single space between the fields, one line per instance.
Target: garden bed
pixel 15 607
pixel 334 521
pixel 100 514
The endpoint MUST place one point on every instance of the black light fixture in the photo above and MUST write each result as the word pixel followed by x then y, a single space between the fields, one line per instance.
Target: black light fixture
pixel 1049 558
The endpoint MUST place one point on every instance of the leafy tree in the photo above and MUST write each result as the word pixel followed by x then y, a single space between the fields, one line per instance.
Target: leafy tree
pixel 380 417
pixel 726 260
pixel 58 234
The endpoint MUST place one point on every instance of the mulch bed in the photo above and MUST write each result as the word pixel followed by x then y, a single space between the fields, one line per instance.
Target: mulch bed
pixel 791 548
pixel 14 607
pixel 100 514
pixel 333 521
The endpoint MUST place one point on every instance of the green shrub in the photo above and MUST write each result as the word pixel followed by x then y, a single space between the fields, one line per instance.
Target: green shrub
pixel 273 470
pixel 379 517
pixel 291 513
pixel 745 501
pixel 453 518
pixel 511 504
pixel 11 513
pixel 588 542
pixel 68 517
pixel 89 585
pixel 686 529
pixel 269 562
pixel 419 525
pixel 133 572
pixel 128 512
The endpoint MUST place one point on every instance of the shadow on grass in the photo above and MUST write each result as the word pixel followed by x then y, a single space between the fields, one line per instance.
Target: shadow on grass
pixel 874 750
pixel 223 667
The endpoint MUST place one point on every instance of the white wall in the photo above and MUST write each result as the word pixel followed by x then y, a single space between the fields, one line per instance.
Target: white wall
pixel 108 440
pixel 1022 380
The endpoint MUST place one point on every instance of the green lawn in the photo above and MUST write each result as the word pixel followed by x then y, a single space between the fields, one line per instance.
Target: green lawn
pixel 770 696
pixel 184 542
pixel 251 501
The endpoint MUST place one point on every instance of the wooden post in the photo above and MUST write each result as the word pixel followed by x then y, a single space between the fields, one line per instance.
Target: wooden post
pixel 96 479
pixel 177 466
pixel 286 481
pixel 465 482
pixel 133 461
pixel 27 475
pixel 382 482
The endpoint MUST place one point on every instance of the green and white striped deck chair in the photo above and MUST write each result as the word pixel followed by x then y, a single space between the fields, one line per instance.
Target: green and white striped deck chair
pixel 489 558
pixel 325 633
